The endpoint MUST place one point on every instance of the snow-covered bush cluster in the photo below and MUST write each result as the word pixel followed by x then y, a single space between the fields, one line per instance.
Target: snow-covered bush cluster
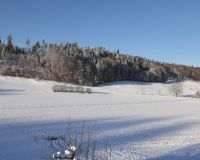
pixel 69 88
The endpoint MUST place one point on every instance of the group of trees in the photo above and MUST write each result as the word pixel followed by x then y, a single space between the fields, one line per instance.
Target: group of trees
pixel 84 65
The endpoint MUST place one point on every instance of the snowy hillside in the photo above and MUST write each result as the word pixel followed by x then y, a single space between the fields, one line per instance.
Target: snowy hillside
pixel 140 120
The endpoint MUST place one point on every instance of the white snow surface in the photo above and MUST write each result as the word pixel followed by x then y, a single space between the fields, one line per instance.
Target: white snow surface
pixel 140 120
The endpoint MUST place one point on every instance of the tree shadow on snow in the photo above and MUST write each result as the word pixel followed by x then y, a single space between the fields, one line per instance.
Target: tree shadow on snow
pixel 191 152
pixel 187 96
pixel 121 83
pixel 22 134
pixel 147 134
pixel 11 91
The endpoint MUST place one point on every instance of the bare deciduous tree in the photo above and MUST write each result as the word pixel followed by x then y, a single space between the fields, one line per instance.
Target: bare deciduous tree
pixel 28 42
pixel 176 89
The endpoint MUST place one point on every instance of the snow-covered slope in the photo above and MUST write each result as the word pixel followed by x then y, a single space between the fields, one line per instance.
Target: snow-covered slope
pixel 141 120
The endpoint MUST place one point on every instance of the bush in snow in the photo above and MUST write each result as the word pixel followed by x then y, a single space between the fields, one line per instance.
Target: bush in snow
pixel 62 88
pixel 83 138
pixel 88 90
pixel 176 89
pixel 197 95
pixel 79 89
pixel 70 89
pixel 57 88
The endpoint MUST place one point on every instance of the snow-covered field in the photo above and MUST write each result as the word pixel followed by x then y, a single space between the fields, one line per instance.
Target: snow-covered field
pixel 140 120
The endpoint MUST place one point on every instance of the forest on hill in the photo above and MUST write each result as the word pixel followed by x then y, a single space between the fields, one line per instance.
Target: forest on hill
pixel 84 65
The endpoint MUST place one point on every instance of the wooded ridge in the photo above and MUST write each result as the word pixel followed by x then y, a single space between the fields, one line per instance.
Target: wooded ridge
pixel 84 65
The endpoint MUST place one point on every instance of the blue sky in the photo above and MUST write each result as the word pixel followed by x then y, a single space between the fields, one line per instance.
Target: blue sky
pixel 165 30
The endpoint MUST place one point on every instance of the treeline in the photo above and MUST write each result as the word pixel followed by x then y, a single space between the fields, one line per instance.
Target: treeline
pixel 84 65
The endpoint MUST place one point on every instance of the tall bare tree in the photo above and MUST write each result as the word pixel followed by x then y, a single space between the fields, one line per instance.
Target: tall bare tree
pixel 28 43
pixel 176 89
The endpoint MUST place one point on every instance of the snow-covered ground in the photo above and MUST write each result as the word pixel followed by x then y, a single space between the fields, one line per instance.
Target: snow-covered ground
pixel 140 120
